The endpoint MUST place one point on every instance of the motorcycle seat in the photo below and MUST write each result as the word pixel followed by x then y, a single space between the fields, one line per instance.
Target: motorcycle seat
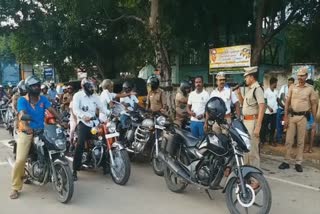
pixel 188 138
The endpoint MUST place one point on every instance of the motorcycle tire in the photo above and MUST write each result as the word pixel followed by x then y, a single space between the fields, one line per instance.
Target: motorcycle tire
pixel 120 176
pixel 178 185
pixel 64 177
pixel 157 164
pixel 262 184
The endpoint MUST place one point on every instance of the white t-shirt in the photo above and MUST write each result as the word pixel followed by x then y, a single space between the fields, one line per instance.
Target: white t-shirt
pixel 271 97
pixel 227 96
pixel 132 99
pixel 106 97
pixel 198 102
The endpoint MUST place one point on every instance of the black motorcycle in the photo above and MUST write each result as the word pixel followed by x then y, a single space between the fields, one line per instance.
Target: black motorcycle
pixel 46 161
pixel 205 162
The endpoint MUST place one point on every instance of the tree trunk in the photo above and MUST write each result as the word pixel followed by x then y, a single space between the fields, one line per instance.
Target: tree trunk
pixel 161 52
pixel 258 39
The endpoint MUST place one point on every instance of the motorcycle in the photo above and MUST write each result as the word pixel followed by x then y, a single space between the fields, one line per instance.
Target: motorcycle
pixel 3 109
pixel 105 148
pixel 46 161
pixel 9 120
pixel 205 162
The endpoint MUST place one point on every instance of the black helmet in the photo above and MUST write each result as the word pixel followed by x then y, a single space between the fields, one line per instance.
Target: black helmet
pixel 22 88
pixel 87 86
pixel 127 85
pixel 30 82
pixel 216 108
pixel 154 82
pixel 184 85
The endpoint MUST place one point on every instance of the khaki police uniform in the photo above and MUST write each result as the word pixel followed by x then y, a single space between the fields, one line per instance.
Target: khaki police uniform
pixel 181 108
pixel 66 100
pixel 250 112
pixel 301 99
pixel 156 100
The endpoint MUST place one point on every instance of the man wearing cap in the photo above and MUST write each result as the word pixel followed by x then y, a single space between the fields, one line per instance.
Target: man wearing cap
pixel 253 111
pixel 301 101
pixel 228 96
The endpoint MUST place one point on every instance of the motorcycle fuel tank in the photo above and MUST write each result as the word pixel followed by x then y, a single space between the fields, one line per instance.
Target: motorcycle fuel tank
pixel 218 144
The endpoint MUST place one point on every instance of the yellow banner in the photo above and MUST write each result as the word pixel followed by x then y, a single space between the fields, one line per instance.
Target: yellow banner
pixel 229 57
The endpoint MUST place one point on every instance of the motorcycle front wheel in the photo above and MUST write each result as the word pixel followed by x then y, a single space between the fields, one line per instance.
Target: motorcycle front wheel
pixel 258 199
pixel 157 164
pixel 64 184
pixel 121 170
pixel 174 183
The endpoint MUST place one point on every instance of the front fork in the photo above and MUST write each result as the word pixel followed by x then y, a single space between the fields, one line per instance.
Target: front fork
pixel 239 161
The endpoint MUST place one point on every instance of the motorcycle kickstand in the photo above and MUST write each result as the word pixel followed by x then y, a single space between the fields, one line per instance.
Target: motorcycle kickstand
pixel 208 193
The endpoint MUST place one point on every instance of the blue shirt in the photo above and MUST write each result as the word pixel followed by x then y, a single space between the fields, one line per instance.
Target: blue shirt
pixel 37 112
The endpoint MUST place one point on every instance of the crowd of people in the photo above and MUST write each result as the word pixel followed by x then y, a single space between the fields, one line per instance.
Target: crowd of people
pixel 294 104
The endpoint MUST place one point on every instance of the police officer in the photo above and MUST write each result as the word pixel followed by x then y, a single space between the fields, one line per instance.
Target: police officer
pixel 253 111
pixel 228 96
pixel 181 101
pixel 301 100
pixel 156 100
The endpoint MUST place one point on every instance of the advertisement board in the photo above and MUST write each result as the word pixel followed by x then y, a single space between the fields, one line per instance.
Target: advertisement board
pixel 310 68
pixel 9 73
pixel 229 57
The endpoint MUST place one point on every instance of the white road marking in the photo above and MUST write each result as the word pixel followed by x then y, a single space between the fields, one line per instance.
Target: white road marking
pixel 293 183
pixel 3 163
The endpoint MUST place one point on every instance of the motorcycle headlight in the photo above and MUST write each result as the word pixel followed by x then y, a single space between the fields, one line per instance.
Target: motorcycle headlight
pixel 111 127
pixel 94 131
pixel 161 120
pixel 60 144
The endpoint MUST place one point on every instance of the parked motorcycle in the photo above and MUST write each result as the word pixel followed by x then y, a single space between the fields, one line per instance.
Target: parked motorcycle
pixel 9 120
pixel 46 161
pixel 205 162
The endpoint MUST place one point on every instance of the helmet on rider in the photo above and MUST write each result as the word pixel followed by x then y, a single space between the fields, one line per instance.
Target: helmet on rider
pixel 22 88
pixel 87 86
pixel 127 86
pixel 185 87
pixel 153 81
pixel 216 109
pixel 33 85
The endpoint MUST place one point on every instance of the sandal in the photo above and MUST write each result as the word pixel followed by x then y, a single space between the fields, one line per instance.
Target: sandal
pixel 14 194
pixel 310 151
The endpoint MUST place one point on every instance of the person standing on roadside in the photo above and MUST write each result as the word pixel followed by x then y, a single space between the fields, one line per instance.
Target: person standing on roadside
pixel 301 101
pixel 228 96
pixel 196 107
pixel 253 112
pixel 270 115
pixel 282 96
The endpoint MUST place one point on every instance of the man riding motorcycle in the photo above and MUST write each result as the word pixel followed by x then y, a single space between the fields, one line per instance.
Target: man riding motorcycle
pixel 34 105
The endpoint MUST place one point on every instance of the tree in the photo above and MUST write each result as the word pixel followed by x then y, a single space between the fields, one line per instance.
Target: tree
pixel 272 16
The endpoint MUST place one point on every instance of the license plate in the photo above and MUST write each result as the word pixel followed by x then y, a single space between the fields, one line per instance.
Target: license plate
pixel 116 134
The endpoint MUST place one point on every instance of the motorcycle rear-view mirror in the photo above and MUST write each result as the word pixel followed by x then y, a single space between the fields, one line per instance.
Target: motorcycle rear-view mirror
pixel 26 117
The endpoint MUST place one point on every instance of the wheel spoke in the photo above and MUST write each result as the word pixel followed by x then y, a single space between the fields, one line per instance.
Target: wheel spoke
pixel 257 205
pixel 247 210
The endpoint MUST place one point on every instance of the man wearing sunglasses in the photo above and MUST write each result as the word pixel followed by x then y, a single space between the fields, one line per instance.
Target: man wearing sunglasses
pixel 228 96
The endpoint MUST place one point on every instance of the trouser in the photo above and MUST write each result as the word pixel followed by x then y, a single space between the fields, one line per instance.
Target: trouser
pixel 123 121
pixel 197 128
pixel 23 147
pixel 84 135
pixel 279 124
pixel 218 130
pixel 268 119
pixel 253 157
pixel 297 126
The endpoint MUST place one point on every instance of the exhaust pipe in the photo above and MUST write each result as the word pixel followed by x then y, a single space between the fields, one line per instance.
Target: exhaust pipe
pixel 175 167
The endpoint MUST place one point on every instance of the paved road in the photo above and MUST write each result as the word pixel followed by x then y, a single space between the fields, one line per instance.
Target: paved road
pixel 147 193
